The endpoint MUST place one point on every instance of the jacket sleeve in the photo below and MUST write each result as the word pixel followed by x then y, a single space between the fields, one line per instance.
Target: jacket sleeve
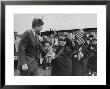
pixel 21 48
pixel 60 53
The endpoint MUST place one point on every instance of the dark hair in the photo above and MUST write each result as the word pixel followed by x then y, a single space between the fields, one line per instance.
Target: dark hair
pixel 37 22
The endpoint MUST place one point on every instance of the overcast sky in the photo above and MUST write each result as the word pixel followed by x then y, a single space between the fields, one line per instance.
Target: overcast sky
pixel 23 22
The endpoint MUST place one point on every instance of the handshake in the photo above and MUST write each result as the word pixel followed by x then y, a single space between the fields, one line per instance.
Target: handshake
pixel 24 67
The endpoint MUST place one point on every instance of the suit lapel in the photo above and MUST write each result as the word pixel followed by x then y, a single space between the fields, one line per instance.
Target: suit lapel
pixel 34 39
pixel 37 38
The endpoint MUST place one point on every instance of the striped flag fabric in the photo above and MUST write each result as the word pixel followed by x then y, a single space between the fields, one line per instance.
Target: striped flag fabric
pixel 80 36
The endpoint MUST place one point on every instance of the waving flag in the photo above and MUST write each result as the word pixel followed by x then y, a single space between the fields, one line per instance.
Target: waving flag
pixel 80 36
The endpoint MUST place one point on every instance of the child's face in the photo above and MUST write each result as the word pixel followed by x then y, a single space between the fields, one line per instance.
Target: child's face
pixel 47 44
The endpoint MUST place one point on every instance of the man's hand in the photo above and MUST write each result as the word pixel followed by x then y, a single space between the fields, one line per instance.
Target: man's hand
pixel 24 67
pixel 75 56
pixel 80 55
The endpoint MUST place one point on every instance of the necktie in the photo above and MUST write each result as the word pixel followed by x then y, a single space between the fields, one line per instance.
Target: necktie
pixel 37 39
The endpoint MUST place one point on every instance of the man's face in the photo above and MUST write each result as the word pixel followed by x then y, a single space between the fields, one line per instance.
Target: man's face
pixel 38 29
pixel 16 33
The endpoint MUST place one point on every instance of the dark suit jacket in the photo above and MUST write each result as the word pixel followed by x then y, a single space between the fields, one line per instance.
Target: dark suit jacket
pixel 28 50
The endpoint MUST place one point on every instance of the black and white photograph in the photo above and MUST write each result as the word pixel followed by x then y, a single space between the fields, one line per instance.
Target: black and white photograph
pixel 55 45
pixel 49 43
pixel 61 44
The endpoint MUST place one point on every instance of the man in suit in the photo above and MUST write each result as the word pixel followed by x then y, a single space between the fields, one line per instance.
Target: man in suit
pixel 29 48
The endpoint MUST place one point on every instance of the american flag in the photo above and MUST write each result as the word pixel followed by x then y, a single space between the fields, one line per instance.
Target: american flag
pixel 80 36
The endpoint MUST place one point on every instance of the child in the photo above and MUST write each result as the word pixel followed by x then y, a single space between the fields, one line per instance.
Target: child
pixel 50 54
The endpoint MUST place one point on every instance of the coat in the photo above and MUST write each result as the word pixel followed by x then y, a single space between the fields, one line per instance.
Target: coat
pixel 80 66
pixel 62 64
pixel 28 49
pixel 77 65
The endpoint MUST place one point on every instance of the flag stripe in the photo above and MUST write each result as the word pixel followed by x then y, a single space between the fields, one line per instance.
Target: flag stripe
pixel 81 40
pixel 79 35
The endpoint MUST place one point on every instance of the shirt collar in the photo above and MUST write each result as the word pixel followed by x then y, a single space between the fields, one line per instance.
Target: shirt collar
pixel 33 32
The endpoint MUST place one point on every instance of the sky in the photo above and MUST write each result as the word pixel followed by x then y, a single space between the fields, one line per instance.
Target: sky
pixel 23 22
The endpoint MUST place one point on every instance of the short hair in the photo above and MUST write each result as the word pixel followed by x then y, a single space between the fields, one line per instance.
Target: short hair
pixel 37 22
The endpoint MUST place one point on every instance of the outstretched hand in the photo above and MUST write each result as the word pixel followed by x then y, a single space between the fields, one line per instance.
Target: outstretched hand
pixel 24 67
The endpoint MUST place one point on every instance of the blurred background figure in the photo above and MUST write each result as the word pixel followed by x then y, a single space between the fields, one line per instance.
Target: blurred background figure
pixel 16 44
